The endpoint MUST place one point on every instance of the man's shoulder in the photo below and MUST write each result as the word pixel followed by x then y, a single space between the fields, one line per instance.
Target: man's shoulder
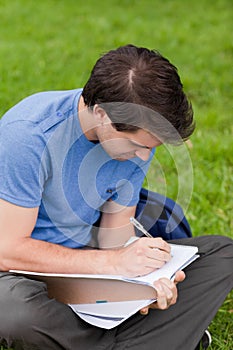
pixel 37 108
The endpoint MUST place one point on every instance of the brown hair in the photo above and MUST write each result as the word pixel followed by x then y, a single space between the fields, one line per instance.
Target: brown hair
pixel 139 88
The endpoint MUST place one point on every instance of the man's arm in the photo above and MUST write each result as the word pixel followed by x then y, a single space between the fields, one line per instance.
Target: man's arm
pixel 19 251
pixel 115 227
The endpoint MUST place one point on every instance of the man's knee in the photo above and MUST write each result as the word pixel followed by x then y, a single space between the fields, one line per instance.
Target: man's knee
pixel 217 252
pixel 222 246
pixel 19 304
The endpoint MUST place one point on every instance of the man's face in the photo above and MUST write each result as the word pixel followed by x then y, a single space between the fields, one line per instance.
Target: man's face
pixel 125 145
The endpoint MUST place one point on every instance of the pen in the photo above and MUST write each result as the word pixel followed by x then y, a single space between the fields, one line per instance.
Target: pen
pixel 140 227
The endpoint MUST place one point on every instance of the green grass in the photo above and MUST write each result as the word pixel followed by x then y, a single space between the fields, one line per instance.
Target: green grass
pixel 52 44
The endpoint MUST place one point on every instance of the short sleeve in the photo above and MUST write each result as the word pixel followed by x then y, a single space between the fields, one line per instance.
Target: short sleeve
pixel 21 174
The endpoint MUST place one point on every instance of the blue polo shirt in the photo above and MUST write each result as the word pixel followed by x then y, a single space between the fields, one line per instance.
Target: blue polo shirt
pixel 47 162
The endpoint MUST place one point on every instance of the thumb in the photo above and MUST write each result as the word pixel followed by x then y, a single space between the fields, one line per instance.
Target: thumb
pixel 144 311
pixel 179 277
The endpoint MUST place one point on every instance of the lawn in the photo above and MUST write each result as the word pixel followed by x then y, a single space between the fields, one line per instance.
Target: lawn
pixel 52 45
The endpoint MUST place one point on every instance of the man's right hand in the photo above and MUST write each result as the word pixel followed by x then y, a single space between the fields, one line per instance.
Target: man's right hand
pixel 142 257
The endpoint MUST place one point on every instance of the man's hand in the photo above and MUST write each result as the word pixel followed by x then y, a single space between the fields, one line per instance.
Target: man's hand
pixel 142 257
pixel 166 293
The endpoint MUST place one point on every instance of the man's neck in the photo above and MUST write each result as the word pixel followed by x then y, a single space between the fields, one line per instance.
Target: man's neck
pixel 87 121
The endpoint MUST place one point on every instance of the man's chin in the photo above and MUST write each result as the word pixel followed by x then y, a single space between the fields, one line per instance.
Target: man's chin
pixel 120 159
pixel 124 158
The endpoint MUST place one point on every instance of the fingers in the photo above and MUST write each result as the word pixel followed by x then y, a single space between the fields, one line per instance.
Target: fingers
pixel 144 311
pixel 158 243
pixel 179 277
pixel 155 251
pixel 157 254
pixel 143 256
pixel 166 296
pixel 166 293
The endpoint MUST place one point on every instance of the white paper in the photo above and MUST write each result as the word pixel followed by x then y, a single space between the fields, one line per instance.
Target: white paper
pixel 109 315
pixel 181 257
pixel 100 322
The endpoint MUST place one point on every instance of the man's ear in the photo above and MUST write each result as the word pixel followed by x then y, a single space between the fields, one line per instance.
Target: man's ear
pixel 100 115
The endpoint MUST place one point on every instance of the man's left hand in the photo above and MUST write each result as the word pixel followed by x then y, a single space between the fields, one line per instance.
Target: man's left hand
pixel 166 293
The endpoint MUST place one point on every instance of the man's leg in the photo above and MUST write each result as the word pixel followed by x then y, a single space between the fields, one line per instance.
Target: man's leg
pixel 208 281
pixel 30 317
pixel 30 320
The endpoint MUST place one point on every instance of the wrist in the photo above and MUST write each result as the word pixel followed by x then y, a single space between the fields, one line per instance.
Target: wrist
pixel 106 262
pixel 114 264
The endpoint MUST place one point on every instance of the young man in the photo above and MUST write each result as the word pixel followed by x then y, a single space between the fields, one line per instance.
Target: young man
pixel 69 159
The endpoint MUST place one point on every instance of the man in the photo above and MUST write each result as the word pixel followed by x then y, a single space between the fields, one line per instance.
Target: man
pixel 70 159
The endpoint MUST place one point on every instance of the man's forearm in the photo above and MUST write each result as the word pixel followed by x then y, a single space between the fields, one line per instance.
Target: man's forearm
pixel 34 255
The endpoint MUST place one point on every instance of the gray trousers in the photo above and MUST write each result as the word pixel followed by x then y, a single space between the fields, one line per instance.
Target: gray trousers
pixel 30 320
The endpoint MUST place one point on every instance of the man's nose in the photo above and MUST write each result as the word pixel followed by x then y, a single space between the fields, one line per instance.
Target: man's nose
pixel 143 153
